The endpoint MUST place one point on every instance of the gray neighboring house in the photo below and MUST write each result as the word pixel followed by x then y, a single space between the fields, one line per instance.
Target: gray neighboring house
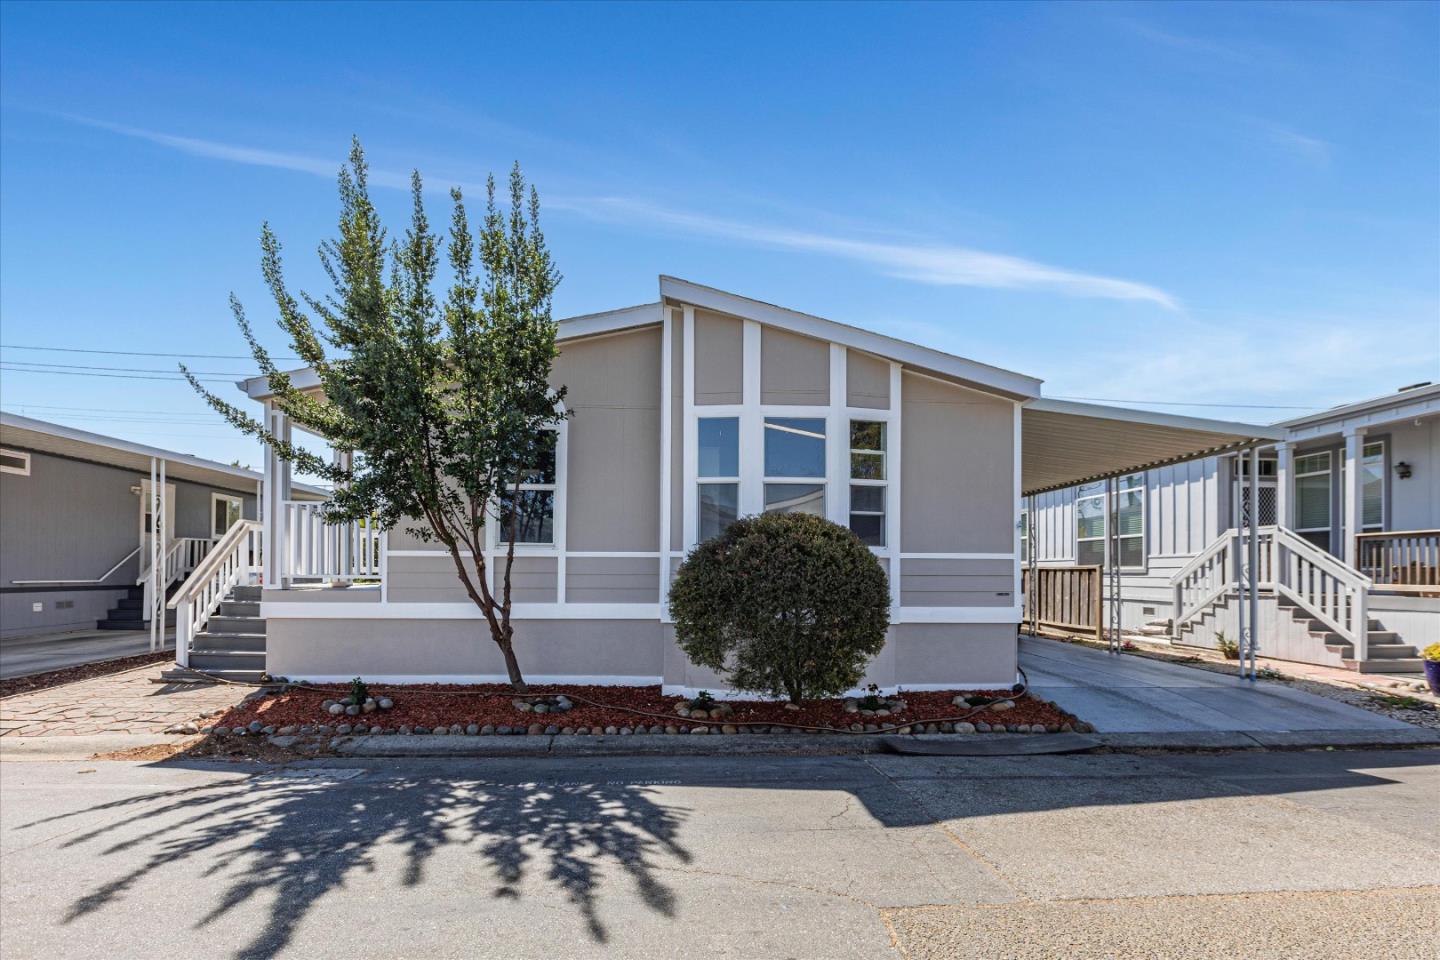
pixel 75 521
pixel 1367 601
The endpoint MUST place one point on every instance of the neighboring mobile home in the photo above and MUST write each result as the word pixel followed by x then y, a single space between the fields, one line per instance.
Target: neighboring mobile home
pixel 76 522
pixel 1371 467
pixel 686 414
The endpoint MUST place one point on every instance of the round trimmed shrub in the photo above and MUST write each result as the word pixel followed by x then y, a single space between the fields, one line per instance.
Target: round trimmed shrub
pixel 786 604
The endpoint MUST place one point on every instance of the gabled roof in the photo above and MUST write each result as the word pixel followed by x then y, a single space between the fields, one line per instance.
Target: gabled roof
pixel 42 436
pixel 1423 395
pixel 946 365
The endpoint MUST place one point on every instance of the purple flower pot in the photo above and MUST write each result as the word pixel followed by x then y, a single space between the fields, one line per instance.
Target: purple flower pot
pixel 1432 676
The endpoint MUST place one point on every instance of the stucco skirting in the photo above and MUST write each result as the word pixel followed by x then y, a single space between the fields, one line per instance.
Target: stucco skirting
pixel 918 656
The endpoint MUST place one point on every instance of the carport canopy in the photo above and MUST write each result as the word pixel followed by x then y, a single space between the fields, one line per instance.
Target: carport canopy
pixel 1065 442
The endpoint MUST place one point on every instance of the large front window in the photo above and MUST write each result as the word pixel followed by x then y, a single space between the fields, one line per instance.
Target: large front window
pixel 1372 478
pixel 795 465
pixel 718 446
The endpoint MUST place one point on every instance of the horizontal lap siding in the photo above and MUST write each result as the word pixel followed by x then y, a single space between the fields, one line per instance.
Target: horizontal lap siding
pixel 957 583
pixel 435 580
pixel 612 580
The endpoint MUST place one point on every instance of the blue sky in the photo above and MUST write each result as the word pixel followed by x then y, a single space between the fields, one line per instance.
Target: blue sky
pixel 1208 204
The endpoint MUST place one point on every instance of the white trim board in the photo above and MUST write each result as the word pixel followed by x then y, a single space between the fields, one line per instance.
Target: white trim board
pixel 342 610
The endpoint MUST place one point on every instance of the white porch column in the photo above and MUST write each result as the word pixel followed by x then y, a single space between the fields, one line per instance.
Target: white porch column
pixel 1352 507
pixel 1284 479
pixel 277 491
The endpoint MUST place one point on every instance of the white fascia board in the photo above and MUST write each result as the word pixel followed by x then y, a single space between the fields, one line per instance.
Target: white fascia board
pixel 982 375
pixel 18 422
pixel 1391 405
pixel 609 321
pixel 258 388
pixel 1099 411
pixel 1373 415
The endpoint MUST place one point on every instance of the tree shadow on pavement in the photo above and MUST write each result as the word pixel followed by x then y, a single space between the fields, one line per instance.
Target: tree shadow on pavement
pixel 295 836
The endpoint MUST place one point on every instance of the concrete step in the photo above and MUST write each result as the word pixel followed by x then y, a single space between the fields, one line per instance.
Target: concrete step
pixel 245 594
pixel 1396 665
pixel 231 624
pixel 130 603
pixel 181 675
pixel 239 608
pixel 213 661
pixel 1390 651
pixel 1343 649
pixel 248 643
pixel 109 623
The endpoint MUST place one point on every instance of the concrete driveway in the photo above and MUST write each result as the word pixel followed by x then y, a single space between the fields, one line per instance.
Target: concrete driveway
pixel 22 656
pixel 1129 694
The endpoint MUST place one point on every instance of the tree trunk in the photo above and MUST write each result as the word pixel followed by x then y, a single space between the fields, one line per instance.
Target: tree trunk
pixel 512 665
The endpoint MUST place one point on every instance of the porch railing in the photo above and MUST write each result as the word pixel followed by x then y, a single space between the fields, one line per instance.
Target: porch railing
pixel 319 550
pixel 233 561
pixel 1065 599
pixel 1293 567
pixel 1404 561
pixel 182 556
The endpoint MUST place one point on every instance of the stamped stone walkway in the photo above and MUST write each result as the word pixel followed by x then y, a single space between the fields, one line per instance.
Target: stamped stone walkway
pixel 129 702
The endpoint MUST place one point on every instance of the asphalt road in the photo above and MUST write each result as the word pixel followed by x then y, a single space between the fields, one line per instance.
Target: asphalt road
pixel 22 656
pixel 1321 855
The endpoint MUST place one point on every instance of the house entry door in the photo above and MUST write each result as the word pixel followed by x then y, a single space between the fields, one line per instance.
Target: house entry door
pixel 147 524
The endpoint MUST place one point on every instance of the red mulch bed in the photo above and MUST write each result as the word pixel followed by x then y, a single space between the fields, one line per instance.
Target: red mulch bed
pixel 431 705
pixel 84 671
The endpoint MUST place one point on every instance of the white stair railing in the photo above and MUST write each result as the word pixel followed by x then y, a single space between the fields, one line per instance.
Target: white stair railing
pixel 183 555
pixel 1322 586
pixel 316 549
pixel 233 561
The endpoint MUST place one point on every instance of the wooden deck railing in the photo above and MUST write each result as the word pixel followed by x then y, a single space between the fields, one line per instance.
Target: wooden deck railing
pixel 1404 561
pixel 1064 599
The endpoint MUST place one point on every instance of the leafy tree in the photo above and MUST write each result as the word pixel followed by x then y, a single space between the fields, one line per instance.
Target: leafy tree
pixel 445 404
pixel 788 604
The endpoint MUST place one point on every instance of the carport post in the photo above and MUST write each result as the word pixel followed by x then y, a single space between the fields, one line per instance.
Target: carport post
pixel 1031 600
pixel 1112 554
pixel 1254 558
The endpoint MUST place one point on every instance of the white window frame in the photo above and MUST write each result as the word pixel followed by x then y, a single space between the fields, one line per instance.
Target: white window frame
pixel 855 481
pixel 768 413
pixel 1123 485
pixel 1384 485
pixel 1024 535
pixel 704 480
pixel 215 498
pixel 23 471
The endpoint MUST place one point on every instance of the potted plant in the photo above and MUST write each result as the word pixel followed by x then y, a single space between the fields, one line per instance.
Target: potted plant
pixel 1432 667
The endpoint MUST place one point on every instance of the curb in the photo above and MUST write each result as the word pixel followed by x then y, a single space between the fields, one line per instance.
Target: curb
pixel 80 747
pixel 448 745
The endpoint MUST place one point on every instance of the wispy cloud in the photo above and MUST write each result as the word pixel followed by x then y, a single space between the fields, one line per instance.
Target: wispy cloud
pixel 1307 147
pixel 928 263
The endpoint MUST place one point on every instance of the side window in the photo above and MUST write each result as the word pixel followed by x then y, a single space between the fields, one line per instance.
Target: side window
pixel 868 481
pixel 718 502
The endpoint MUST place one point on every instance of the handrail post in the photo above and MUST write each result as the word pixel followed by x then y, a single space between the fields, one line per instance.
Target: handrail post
pixel 1361 608
pixel 182 634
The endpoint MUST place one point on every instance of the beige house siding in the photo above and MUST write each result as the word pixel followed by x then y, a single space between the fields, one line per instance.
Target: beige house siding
pixel 613 445
pixel 957 583
pixel 612 580
pixel 718 358
pixel 432 579
pixel 957 478
pixel 793 369
pixel 867 381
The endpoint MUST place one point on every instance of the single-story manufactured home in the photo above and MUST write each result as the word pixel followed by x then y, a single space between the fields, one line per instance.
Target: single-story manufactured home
pixel 76 524
pixel 685 414
pixel 1348 504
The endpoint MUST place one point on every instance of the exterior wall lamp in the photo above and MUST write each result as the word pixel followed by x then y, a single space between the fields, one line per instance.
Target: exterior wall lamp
pixel 1402 470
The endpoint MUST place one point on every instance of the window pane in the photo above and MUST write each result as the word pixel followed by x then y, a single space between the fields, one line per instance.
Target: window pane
pixel 1090 517
pixel 219 524
pixel 869 528
pixel 867 435
pixel 1314 463
pixel 1090 553
pixel 794 447
pixel 867 499
pixel 533 514
pixel 1132 551
pixel 795 498
pixel 1090 489
pixel 867 466
pixel 1132 513
pixel 719 507
pixel 1372 475
pixel 719 446
pixel 1312 500
pixel 541 461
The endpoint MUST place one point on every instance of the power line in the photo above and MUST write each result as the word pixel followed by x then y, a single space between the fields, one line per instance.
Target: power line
pixel 117 376
pixel 139 353
pixel 52 406
pixel 81 366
